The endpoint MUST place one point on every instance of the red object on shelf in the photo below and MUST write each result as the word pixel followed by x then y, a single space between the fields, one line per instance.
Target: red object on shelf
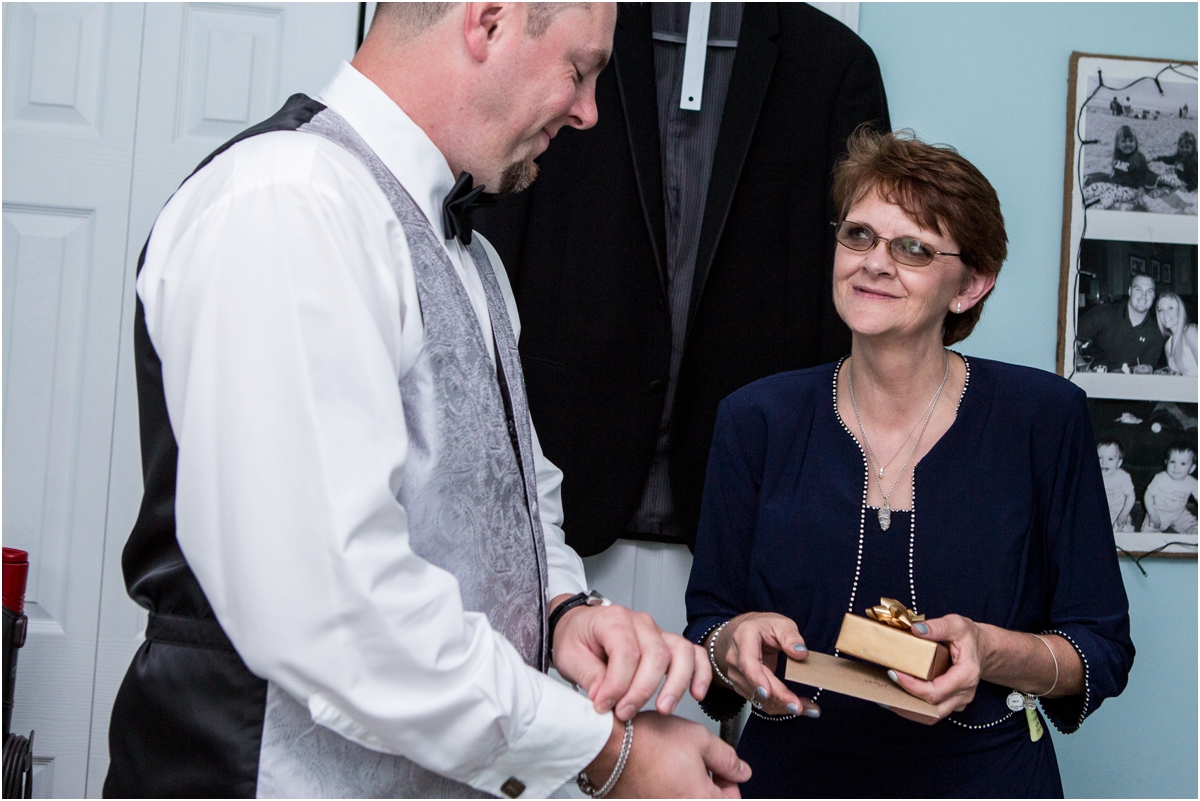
pixel 16 573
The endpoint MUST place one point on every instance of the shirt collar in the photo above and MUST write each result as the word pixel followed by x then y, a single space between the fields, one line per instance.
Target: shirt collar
pixel 399 142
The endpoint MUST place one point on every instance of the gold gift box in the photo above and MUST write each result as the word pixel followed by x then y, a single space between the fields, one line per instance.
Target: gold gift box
pixel 895 648
pixel 856 679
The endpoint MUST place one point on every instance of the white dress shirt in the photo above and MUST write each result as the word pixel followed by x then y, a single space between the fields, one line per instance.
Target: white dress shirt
pixel 279 295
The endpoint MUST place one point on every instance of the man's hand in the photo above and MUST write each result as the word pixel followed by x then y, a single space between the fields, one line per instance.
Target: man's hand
pixel 670 758
pixel 620 657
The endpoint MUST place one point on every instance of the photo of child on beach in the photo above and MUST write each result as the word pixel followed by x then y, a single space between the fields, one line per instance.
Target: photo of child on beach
pixel 1141 147
pixel 1147 455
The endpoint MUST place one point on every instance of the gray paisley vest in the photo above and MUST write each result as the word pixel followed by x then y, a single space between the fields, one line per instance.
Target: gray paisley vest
pixel 469 492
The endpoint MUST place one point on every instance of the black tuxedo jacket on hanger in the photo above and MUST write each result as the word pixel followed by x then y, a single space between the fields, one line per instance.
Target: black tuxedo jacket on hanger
pixel 585 248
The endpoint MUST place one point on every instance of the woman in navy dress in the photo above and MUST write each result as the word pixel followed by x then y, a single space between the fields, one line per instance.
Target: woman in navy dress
pixel 967 489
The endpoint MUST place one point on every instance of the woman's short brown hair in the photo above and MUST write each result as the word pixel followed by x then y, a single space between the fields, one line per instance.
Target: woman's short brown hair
pixel 939 190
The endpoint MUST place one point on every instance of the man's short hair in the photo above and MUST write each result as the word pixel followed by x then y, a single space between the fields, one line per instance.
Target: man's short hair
pixel 1150 278
pixel 411 19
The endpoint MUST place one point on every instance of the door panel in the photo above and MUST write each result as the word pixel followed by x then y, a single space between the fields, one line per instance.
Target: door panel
pixel 56 53
pixel 84 82
pixel 211 70
pixel 70 104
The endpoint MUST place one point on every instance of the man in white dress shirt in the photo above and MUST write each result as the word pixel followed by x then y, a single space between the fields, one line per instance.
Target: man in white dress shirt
pixel 350 541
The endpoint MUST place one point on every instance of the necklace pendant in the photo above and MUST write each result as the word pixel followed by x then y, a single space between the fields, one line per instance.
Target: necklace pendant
pixel 885 516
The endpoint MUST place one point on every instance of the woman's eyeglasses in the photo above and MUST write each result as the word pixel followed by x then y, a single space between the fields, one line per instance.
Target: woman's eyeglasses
pixel 904 249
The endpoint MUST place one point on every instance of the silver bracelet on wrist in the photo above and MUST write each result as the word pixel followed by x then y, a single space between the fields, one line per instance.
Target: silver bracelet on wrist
pixel 712 653
pixel 586 785
pixel 1055 658
pixel 1018 699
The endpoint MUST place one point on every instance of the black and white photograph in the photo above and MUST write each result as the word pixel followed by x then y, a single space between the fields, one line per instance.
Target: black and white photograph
pixel 1134 317
pixel 1131 150
pixel 1129 229
pixel 1147 454
pixel 1141 151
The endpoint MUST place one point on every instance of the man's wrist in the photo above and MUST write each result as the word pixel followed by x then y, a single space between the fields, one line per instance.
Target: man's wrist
pixel 562 606
pixel 602 766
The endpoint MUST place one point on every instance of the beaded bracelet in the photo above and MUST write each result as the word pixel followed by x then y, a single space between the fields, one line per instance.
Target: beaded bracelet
pixel 712 654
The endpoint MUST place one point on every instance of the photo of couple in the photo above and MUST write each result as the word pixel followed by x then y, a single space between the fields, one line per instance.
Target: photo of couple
pixel 1134 316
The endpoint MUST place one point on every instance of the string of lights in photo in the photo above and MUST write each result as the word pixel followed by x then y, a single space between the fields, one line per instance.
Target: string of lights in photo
pixel 1187 72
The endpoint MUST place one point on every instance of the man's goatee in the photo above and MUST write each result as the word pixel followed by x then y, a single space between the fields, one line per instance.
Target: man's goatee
pixel 518 176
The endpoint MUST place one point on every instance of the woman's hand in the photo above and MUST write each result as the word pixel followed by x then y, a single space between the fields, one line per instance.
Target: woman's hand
pixel 1047 665
pixel 746 651
pixel 954 689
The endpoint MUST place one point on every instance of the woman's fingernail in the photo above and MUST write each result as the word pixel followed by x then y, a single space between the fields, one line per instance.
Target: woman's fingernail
pixel 794 709
pixel 627 712
pixel 921 628
pixel 800 647
pixel 762 693
pixel 668 701
pixel 812 712
pixel 892 676
pixel 743 767
pixel 703 690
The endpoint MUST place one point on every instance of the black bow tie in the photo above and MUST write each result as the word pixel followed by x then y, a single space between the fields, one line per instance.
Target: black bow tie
pixel 458 209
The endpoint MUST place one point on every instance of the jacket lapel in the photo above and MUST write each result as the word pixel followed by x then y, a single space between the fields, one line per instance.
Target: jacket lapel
pixel 633 62
pixel 752 68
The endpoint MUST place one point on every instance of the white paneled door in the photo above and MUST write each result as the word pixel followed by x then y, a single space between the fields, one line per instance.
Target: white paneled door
pixel 107 108
pixel 70 108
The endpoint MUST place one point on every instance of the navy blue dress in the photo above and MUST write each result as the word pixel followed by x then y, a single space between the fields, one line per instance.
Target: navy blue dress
pixel 1009 526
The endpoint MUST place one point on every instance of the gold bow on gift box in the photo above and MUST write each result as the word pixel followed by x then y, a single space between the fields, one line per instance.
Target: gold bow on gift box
pixel 893 644
pixel 891 612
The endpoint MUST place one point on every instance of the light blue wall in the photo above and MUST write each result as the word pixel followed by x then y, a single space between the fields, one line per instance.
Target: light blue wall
pixel 991 79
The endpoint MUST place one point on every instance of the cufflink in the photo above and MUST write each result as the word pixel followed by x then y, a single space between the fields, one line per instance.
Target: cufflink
pixel 513 787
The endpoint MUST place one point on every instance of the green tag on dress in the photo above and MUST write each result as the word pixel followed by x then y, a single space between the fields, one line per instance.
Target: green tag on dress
pixel 1035 725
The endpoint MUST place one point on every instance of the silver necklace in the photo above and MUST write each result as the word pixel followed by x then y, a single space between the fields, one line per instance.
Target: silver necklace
pixel 885 511
pixel 912 545
pixel 911 431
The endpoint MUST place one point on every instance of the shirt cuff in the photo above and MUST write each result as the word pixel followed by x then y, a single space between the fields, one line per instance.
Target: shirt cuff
pixel 565 736
pixel 563 583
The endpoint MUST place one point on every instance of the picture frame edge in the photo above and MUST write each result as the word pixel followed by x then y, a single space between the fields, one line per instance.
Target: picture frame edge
pixel 1064 269
pixel 1065 285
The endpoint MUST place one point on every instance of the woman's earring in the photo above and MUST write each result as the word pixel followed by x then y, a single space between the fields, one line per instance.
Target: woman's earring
pixel 959 307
